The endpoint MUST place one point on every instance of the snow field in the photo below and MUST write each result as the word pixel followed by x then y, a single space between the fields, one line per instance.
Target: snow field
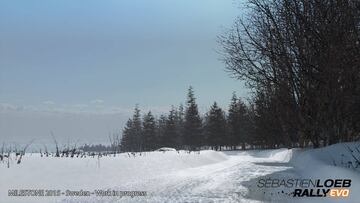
pixel 179 176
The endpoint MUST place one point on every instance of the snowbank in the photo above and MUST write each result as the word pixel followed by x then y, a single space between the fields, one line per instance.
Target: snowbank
pixel 162 149
pixel 278 155
pixel 334 155
pixel 332 162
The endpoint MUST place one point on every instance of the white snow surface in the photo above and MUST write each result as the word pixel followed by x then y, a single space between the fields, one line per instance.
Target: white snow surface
pixel 179 176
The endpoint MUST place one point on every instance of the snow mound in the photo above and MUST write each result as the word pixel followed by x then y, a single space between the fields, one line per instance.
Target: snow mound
pixel 277 155
pixel 164 149
pixel 331 162
pixel 281 155
pixel 337 155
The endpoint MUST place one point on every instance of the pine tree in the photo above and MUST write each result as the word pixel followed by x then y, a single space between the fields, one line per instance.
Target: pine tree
pixel 192 124
pixel 149 132
pixel 243 124
pixel 179 117
pixel 132 134
pixel 237 123
pixel 127 140
pixel 233 122
pixel 171 134
pixel 137 125
pixel 160 132
pixel 215 127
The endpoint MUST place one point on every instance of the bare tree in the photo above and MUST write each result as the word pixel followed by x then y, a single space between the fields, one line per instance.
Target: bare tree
pixel 57 154
pixel 304 55
pixel 22 153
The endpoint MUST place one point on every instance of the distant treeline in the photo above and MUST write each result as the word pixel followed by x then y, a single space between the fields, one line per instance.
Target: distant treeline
pixel 97 148
pixel 184 128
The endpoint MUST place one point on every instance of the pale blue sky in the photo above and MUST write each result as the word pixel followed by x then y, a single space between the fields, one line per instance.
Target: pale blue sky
pixel 109 55
pixel 122 52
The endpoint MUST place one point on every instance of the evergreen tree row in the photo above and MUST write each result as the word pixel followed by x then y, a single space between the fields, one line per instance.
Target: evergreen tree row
pixel 185 128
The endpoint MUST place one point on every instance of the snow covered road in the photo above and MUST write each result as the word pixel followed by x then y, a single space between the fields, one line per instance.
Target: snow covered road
pixel 221 182
pixel 218 182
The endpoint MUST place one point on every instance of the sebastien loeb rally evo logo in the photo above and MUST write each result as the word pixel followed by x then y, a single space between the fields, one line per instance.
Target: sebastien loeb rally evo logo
pixel 310 187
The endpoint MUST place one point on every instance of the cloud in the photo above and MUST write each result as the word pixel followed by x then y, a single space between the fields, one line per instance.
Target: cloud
pixel 97 101
pixel 78 106
pixel 157 110
pixel 6 106
pixel 49 102
pixel 97 108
